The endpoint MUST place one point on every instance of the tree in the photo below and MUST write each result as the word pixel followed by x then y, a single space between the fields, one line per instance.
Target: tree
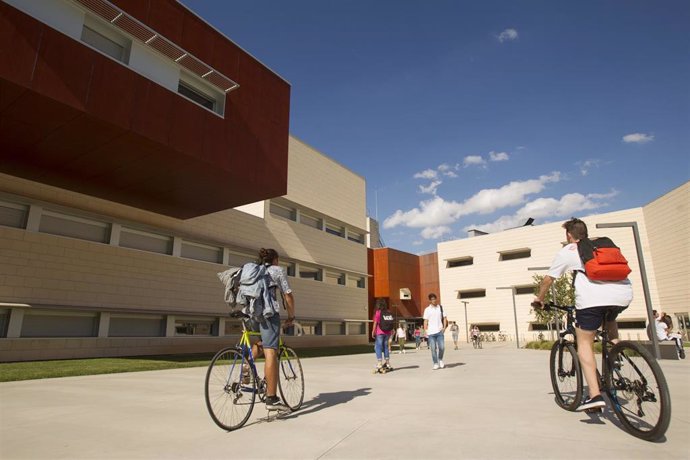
pixel 561 292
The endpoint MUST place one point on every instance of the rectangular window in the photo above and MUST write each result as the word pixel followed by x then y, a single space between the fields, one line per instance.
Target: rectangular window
pixel 310 221
pixel 194 327
pixel 538 327
pixel 42 323
pixel 202 252
pixel 356 237
pixel 335 230
pixel 106 41
pixel 288 267
pixel 145 241
pixel 136 326
pixel 356 328
pixel 13 215
pixel 309 328
pixel 523 290
pixel 356 281
pixel 632 324
pixel 194 94
pixel 282 211
pixel 335 328
pixel 74 227
pixel 515 254
pixel 335 278
pixel 460 262
pixel 4 321
pixel 471 293
pixel 237 259
pixel 311 273
pixel 233 327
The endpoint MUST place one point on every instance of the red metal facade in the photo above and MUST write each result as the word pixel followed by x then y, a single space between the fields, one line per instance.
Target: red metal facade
pixel 72 118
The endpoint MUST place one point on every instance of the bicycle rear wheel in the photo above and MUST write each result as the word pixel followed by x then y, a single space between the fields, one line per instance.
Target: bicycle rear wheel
pixel 566 376
pixel 638 391
pixel 229 401
pixel 291 378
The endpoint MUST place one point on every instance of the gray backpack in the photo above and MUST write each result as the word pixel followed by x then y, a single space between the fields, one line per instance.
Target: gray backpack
pixel 247 289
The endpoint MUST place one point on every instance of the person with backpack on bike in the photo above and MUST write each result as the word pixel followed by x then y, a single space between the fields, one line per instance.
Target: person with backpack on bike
pixel 270 326
pixel 381 331
pixel 597 298
pixel 435 323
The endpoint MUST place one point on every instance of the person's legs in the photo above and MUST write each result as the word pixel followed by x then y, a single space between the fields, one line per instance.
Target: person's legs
pixel 378 346
pixel 441 343
pixel 432 345
pixel 270 335
pixel 585 352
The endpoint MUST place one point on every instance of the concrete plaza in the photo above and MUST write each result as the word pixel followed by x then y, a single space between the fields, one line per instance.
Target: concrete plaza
pixel 490 403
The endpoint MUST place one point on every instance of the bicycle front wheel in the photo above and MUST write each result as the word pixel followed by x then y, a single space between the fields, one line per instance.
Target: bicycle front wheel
pixel 566 376
pixel 638 391
pixel 229 395
pixel 291 378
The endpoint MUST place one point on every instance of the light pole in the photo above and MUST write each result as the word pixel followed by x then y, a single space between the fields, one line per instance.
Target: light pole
pixel 643 274
pixel 467 332
pixel 517 337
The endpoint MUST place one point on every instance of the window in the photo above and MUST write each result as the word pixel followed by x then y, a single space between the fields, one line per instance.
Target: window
pixel 356 237
pixel 522 290
pixel 311 273
pixel 74 227
pixel 335 230
pixel 310 327
pixel 4 321
pixel 188 91
pixel 136 326
pixel 460 262
pixel 335 278
pixel 233 327
pixel 515 254
pixel 356 281
pixel 145 241
pixel 356 328
pixel 48 323
pixel 194 327
pixel 490 327
pixel 538 327
pixel 202 252
pixel 335 329
pixel 632 324
pixel 310 221
pixel 237 259
pixel 471 293
pixel 13 215
pixel 288 267
pixel 106 40
pixel 282 211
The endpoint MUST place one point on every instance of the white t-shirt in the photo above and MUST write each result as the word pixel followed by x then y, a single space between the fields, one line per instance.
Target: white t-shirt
pixel 401 333
pixel 590 293
pixel 433 315
pixel 661 328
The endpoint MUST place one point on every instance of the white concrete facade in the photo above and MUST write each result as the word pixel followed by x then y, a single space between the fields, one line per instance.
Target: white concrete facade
pixel 82 269
pixel 664 241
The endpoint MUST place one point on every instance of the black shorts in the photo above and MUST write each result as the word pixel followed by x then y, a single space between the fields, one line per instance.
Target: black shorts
pixel 591 319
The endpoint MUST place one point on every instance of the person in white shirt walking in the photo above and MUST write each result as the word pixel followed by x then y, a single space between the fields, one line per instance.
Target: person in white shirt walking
pixel 435 323
pixel 400 333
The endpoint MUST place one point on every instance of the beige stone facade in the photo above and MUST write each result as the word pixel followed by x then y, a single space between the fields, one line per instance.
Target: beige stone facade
pixel 473 269
pixel 83 276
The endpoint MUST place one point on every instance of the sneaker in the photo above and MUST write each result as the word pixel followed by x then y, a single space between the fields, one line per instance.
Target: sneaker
pixel 441 365
pixel 591 403
pixel 435 366
pixel 274 403
pixel 682 353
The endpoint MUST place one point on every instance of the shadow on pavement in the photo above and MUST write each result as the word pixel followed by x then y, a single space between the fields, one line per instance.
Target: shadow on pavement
pixel 452 365
pixel 326 400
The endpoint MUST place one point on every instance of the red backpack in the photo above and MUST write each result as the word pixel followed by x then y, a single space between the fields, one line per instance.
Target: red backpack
pixel 603 260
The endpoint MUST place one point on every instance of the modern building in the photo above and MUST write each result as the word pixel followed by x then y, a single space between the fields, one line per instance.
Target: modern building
pixel 489 277
pixel 128 133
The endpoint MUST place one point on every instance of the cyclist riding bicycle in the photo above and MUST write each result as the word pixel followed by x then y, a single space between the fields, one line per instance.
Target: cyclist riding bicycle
pixel 595 301
pixel 475 332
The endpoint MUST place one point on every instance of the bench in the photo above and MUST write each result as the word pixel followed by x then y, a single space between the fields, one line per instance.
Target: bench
pixel 667 349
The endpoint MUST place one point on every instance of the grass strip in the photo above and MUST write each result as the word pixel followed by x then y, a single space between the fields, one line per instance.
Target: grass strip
pixel 31 370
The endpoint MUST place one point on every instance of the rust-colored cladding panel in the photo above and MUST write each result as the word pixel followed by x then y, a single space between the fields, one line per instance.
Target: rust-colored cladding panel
pixel 73 118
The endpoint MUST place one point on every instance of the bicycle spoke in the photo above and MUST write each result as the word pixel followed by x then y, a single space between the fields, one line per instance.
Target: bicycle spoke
pixel 566 377
pixel 228 400
pixel 291 378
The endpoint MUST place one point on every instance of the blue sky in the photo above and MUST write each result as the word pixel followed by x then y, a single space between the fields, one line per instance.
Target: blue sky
pixel 479 114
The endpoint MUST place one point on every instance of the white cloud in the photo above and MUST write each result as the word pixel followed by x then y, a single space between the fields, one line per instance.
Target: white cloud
pixel 498 156
pixel 508 35
pixel 546 208
pixel 437 212
pixel 426 174
pixel 638 138
pixel 432 233
pixel 417 242
pixel 447 170
pixel 473 160
pixel 431 188
pixel 587 165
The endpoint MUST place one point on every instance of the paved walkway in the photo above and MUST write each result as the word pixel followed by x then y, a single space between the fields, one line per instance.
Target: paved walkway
pixel 490 403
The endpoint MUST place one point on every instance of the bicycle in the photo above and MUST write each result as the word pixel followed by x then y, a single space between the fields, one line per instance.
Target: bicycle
pixel 232 381
pixel 477 341
pixel 630 377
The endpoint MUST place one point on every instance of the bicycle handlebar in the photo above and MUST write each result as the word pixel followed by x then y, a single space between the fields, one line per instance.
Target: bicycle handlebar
pixel 546 306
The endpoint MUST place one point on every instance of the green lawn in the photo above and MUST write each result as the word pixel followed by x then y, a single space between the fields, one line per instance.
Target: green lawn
pixel 30 370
